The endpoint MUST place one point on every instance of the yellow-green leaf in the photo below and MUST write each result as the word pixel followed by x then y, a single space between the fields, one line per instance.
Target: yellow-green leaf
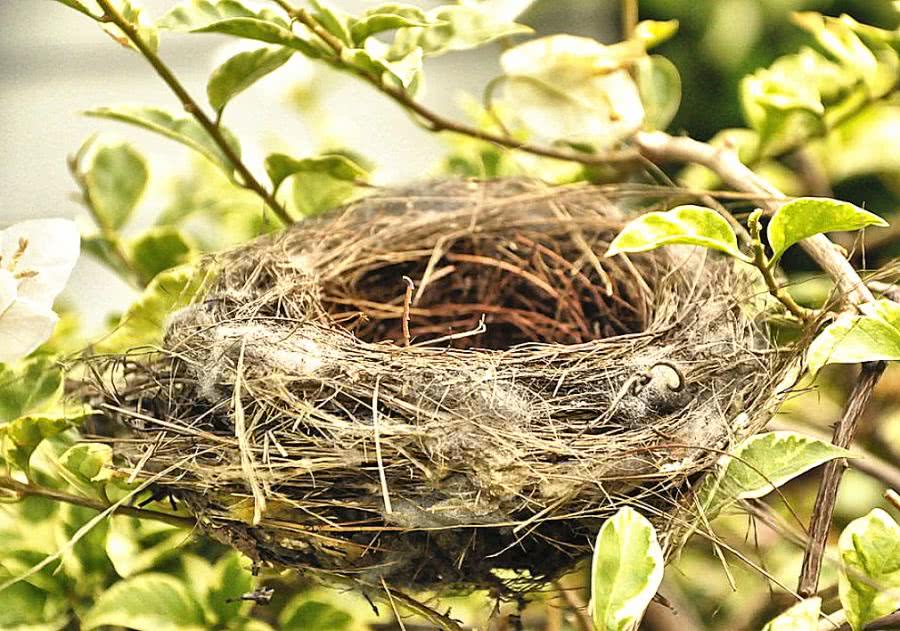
pixel 334 167
pixel 115 182
pixel 29 387
pixel 264 31
pixel 158 249
pixel 659 85
pixel 147 602
pixel 626 571
pixel 302 614
pixel 808 216
pixel 689 225
pixel 194 14
pixel 852 339
pixel 869 580
pixel 803 616
pixel 652 32
pixel 241 71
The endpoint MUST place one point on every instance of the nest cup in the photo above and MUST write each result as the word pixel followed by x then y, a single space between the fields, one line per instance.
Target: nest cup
pixel 447 385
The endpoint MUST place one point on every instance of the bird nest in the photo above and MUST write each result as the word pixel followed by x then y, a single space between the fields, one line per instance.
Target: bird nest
pixel 446 385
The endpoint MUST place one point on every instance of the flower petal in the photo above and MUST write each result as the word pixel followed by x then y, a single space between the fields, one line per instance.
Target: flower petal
pixel 23 327
pixel 7 290
pixel 53 246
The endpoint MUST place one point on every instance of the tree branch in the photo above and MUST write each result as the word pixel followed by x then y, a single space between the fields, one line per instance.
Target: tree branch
pixel 30 490
pixel 438 123
pixel 820 523
pixel 110 14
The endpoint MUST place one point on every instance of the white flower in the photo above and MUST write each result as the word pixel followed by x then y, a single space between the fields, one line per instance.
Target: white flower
pixel 36 259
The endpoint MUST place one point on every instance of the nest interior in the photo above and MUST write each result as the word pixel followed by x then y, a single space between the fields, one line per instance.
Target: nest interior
pixel 446 384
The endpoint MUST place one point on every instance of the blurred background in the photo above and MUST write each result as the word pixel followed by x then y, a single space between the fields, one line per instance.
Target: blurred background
pixel 54 64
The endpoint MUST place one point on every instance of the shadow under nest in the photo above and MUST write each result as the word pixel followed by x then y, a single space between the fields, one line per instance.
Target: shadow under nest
pixel 541 386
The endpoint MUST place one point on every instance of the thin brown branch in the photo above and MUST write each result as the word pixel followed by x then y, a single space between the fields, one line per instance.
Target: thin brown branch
pixel 111 14
pixel 23 490
pixel 824 507
pixel 893 497
pixel 438 123
pixel 762 264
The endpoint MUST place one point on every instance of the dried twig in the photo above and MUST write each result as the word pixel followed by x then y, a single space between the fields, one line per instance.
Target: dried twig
pixel 112 15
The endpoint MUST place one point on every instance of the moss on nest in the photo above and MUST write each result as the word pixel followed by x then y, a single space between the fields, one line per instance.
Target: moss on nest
pixel 321 417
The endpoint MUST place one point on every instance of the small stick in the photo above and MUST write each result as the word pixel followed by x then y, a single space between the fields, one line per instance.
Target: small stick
pixel 893 497
pixel 407 301
pixel 381 474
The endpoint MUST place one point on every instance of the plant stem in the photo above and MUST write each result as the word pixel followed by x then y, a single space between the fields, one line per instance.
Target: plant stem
pixel 762 264
pixel 436 122
pixel 110 14
pixel 629 17
pixel 31 490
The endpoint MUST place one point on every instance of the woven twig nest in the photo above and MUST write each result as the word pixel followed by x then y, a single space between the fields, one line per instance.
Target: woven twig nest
pixel 541 387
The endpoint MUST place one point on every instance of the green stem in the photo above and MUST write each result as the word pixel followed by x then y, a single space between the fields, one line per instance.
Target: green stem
pixel 23 490
pixel 110 14
pixel 629 18
pixel 762 264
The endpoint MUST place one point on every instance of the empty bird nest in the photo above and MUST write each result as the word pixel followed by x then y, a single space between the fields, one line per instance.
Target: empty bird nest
pixel 446 385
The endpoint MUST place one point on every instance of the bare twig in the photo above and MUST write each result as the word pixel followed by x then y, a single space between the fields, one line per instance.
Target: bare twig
pixel 111 14
pixel 831 478
pixel 893 497
pixel 407 301
pixel 23 490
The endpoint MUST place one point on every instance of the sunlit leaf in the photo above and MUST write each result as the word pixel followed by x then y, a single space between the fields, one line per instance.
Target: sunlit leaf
pixel 194 14
pixel 336 167
pixel 761 464
pixel 869 580
pixel 143 322
pixel 334 20
pixel 264 31
pixel 31 387
pixel 690 225
pixel 229 580
pixel 852 339
pixel 148 602
pixel 659 85
pixel 571 88
pixel 86 466
pixel 808 216
pixel 24 434
pixel 454 27
pixel 386 17
pixel 241 71
pixel 804 616
pixel 158 249
pixel 626 571
pixel 115 182
pixel 185 130
pixel 135 546
pixel 301 614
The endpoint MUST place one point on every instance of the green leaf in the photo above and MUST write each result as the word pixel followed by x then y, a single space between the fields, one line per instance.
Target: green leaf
pixel 387 17
pixel 336 166
pixel 808 216
pixel 659 84
pixel 230 579
pixel 454 27
pixel 852 339
pixel 158 249
pixel 869 580
pixel 194 14
pixel 148 602
pixel 626 571
pixel 263 31
pixel 135 546
pixel 574 89
pixel 27 432
pixel 333 20
pixel 143 322
pixel 241 71
pixel 761 464
pixel 804 616
pixel 301 614
pixel 30 387
pixel 691 225
pixel 187 131
pixel 115 181
pixel 86 466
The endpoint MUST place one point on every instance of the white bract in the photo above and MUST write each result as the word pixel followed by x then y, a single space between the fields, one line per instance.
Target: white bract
pixel 36 259
pixel 572 88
